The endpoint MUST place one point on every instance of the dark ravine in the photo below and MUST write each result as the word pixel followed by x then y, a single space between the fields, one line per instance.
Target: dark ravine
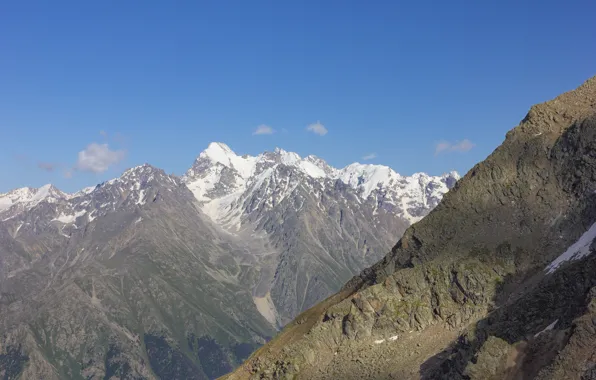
pixel 464 294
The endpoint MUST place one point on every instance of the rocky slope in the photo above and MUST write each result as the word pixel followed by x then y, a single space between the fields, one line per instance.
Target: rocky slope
pixel 141 278
pixel 497 282
pixel 127 280
pixel 322 225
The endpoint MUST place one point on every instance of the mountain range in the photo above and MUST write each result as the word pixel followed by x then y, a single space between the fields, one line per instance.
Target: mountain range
pixel 151 275
pixel 497 282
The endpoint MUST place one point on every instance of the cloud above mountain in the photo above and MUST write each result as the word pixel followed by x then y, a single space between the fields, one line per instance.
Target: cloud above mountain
pixel 264 130
pixel 369 156
pixel 317 128
pixel 97 158
pixel 464 145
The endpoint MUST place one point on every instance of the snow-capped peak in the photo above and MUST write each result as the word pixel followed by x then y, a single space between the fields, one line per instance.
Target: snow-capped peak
pixel 143 172
pixel 46 191
pixel 141 177
pixel 140 168
pixel 287 158
pixel 220 153
pixel 367 177
pixel 29 197
pixel 220 179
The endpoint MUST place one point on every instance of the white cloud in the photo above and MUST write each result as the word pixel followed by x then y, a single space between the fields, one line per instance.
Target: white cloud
pixel 369 156
pixel 464 145
pixel 103 133
pixel 317 128
pixel 97 158
pixel 263 130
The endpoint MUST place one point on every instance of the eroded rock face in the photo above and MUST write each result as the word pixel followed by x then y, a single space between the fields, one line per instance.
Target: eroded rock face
pixel 464 293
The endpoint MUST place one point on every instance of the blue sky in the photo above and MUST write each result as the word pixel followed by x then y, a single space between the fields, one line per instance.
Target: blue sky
pixel 157 81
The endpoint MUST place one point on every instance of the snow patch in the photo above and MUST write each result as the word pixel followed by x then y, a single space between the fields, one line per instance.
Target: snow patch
pixel 41 193
pixel 30 197
pixel 219 207
pixel 288 158
pixel 549 327
pixel 5 203
pixel 366 177
pixel 86 190
pixel 64 218
pixel 312 170
pixel 141 200
pixel 221 153
pixel 392 339
pixel 16 231
pixel 578 250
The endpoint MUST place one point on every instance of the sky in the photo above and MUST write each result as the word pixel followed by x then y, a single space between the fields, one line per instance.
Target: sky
pixel 90 88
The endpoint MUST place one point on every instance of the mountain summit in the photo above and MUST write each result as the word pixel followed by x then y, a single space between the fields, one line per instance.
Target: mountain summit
pixel 220 178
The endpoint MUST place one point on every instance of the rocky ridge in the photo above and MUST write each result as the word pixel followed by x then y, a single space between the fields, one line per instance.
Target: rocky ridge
pixel 497 282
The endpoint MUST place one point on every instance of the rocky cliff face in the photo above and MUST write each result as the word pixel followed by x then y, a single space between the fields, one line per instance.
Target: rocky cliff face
pixel 497 282
pixel 153 276
pixel 322 225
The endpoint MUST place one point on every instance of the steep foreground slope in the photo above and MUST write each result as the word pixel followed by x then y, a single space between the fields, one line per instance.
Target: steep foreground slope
pixel 144 276
pixel 497 282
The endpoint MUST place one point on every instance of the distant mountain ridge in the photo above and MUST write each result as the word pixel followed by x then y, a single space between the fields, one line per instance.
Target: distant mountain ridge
pixel 245 193
pixel 151 275
pixel 204 179
pixel 220 176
